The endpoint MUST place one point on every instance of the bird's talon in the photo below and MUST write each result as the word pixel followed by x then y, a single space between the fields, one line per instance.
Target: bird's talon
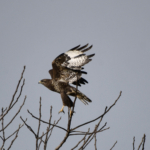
pixel 61 111
pixel 71 113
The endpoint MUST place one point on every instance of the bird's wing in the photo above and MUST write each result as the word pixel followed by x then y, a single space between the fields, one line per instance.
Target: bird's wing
pixel 67 65
pixel 70 76
pixel 51 73
pixel 80 81
pixel 76 58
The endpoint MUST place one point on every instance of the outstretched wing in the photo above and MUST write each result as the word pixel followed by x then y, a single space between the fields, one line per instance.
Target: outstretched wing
pixel 70 76
pixel 76 57
pixel 67 66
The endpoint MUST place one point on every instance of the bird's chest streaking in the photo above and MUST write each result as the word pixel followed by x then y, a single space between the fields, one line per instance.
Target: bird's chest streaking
pixel 59 86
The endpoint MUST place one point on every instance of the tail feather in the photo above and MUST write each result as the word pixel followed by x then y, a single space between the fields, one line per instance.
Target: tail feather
pixel 72 92
pixel 83 98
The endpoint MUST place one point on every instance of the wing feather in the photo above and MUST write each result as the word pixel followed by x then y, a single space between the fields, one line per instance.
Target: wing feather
pixel 51 73
pixel 77 58
pixel 67 66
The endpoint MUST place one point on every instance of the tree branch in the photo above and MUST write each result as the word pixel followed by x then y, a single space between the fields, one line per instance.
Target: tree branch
pixel 14 132
pixel 28 126
pixel 100 115
pixel 14 137
pixel 3 130
pixel 133 142
pixel 14 115
pixel 11 105
pixel 95 142
pixel 142 142
pixel 46 122
pixel 81 140
pixel 113 145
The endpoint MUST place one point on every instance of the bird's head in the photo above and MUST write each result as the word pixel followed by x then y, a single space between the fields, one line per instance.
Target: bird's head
pixel 45 82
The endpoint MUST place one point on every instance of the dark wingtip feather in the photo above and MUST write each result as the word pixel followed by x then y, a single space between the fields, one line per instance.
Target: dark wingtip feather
pixel 80 81
pixel 76 83
pixel 89 56
pixel 80 48
pixel 74 48
pixel 83 72
pixel 87 48
pixel 83 80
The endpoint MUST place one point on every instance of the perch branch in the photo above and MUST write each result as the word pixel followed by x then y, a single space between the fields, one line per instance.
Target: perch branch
pixel 100 115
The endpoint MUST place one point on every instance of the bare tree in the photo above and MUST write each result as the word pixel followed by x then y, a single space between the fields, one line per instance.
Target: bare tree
pixel 5 112
pixel 87 135
pixel 42 140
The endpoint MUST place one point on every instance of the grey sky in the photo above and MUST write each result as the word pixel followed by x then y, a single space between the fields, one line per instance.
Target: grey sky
pixel 33 33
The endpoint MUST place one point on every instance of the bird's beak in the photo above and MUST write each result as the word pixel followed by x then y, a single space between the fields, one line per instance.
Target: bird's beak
pixel 39 82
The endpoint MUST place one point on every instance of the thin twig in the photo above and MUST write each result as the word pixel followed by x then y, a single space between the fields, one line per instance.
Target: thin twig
pixel 85 133
pixel 92 136
pixel 48 129
pixel 11 105
pixel 19 94
pixel 81 140
pixel 14 137
pixel 142 142
pixel 46 122
pixel 15 115
pixel 113 145
pixel 94 132
pixel 100 115
pixel 50 122
pixel 45 144
pixel 14 132
pixel 3 111
pixel 133 142
pixel 53 127
pixel 3 130
pixel 144 138
pixel 17 86
pixel 37 136
pixel 41 140
pixel 28 126
pixel 95 142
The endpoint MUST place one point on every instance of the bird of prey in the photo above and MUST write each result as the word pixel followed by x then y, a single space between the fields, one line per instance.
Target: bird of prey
pixel 67 69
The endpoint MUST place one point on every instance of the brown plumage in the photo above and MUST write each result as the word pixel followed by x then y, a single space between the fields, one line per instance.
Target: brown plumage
pixel 67 68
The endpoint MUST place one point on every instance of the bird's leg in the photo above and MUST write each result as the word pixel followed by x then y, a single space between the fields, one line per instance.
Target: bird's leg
pixel 62 109
pixel 71 113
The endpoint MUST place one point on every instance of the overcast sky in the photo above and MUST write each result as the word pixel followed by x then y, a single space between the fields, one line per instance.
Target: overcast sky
pixel 33 33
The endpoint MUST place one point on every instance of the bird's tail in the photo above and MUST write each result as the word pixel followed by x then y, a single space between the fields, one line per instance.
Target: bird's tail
pixel 83 98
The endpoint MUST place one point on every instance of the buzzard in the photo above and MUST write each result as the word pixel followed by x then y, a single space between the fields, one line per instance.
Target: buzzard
pixel 68 69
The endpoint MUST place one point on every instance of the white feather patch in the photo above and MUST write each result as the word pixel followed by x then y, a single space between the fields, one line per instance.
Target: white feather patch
pixel 74 53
